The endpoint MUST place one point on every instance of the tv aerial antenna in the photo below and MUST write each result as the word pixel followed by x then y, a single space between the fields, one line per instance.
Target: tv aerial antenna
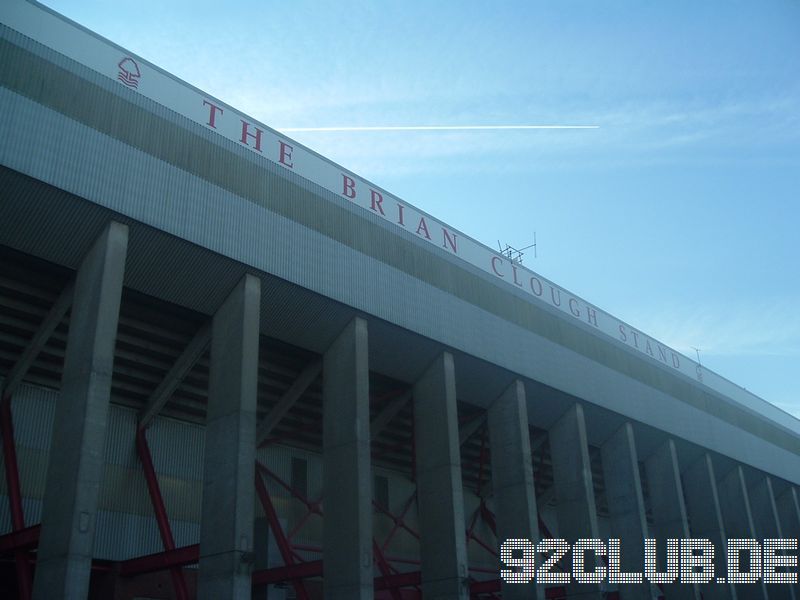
pixel 697 350
pixel 515 254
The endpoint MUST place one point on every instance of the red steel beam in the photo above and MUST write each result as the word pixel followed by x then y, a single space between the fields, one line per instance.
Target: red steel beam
pixel 14 496
pixel 275 525
pixel 24 539
pixel 488 517
pixel 161 561
pixel 178 582
pixel 304 570
pixel 397 581
pixel 384 568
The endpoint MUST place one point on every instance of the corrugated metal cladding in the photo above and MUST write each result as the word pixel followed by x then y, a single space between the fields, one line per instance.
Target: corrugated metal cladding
pixel 125 524
pixel 279 460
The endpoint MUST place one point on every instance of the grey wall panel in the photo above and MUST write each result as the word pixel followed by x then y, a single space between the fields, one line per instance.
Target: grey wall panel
pixel 278 459
pixel 33 411
pixel 126 526
pixel 121 536
pixel 32 507
pixel 177 448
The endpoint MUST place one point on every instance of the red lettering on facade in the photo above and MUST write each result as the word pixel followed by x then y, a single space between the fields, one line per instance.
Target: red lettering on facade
pixel 514 270
pixel 662 354
pixel 533 287
pixel 285 154
pixel 212 113
pixel 448 241
pixel 246 134
pixel 348 187
pixel 494 266
pixel 400 221
pixel 573 307
pixel 423 227
pixel 553 296
pixel 376 200
pixel 591 316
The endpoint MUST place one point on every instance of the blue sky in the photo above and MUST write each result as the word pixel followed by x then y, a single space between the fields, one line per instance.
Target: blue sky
pixel 678 215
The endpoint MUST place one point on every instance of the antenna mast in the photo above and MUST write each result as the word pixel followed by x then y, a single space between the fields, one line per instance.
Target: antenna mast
pixel 515 254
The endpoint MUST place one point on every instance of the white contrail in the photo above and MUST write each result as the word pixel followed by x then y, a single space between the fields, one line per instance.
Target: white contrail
pixel 434 128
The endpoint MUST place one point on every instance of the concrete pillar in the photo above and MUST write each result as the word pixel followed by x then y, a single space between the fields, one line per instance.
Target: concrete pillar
pixel 75 469
pixel 226 529
pixel 574 491
pixel 626 506
pixel 440 495
pixel 512 477
pixel 669 511
pixel 266 556
pixel 347 531
pixel 705 518
pixel 738 519
pixel 768 526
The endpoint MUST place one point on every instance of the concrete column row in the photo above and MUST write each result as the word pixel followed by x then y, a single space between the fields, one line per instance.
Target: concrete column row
pixel 716 508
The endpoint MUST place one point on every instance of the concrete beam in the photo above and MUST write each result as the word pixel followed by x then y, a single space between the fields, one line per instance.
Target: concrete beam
pixel 576 509
pixel 347 472
pixel 705 519
pixel 51 320
pixel 440 494
pixel 306 377
pixel 738 518
pixel 669 511
pixel 226 528
pixel 190 355
pixel 626 506
pixel 512 477
pixel 75 469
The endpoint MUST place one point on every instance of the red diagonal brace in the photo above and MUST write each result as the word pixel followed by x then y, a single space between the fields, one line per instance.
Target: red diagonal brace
pixel 488 517
pixel 24 539
pixel 384 568
pixel 160 561
pixel 277 531
pixel 14 496
pixel 304 570
pixel 178 582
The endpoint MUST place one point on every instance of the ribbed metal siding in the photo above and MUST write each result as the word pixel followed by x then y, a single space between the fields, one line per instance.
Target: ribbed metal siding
pixel 125 526
pixel 33 411
pixel 279 460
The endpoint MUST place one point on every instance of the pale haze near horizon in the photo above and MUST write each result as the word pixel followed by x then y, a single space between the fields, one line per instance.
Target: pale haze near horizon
pixel 677 215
